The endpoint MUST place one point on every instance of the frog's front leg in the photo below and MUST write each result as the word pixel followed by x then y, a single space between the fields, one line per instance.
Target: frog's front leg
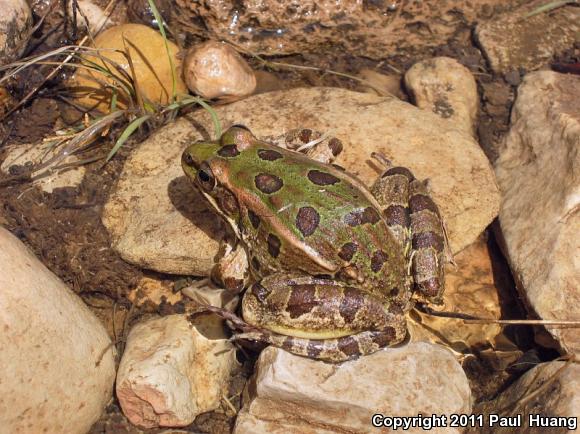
pixel 316 145
pixel 320 318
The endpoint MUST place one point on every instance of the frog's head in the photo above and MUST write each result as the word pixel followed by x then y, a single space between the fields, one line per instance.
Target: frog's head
pixel 205 163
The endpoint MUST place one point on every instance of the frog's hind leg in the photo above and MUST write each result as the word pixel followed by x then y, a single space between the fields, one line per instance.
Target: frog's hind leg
pixel 416 223
pixel 316 145
pixel 330 350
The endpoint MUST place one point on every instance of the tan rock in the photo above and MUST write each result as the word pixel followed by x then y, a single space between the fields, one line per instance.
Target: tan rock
pixel 548 390
pixel 215 70
pixel 15 29
pixel 537 171
pixel 371 29
pixel 172 371
pixel 307 396
pixel 57 364
pixel 150 214
pixel 151 64
pixel 511 40
pixel 23 155
pixel 447 88
pixel 381 84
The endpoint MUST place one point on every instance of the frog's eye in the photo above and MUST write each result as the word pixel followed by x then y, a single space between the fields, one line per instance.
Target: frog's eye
pixel 205 177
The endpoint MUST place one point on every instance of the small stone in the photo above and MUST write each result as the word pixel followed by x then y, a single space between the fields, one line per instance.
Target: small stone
pixel 15 28
pixel 289 393
pixel 171 371
pixel 57 363
pixel 20 157
pixel 558 384
pixel 512 40
pixel 92 14
pixel 151 64
pixel 447 88
pixel 215 70
pixel 537 171
pixel 513 78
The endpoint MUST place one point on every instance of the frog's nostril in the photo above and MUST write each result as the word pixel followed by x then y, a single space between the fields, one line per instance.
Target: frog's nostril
pixel 187 159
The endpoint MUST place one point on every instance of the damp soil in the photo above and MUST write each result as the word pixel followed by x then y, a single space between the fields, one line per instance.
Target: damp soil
pixel 65 231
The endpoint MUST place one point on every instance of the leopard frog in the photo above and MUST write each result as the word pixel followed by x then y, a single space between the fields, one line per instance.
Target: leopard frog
pixel 333 266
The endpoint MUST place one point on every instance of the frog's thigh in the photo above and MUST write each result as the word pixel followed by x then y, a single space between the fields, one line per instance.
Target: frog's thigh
pixel 318 309
pixel 312 143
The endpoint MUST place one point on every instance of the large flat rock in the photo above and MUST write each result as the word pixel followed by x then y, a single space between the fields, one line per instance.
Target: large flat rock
pixel 157 221
pixel 537 171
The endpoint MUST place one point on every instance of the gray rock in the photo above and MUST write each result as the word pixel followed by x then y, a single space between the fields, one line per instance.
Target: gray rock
pixel 15 26
pixel 548 390
pixel 289 393
pixel 512 40
pixel 537 171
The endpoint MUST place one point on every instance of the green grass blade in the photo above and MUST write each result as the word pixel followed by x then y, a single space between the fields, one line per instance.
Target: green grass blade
pixel 161 24
pixel 548 7
pixel 195 100
pixel 126 134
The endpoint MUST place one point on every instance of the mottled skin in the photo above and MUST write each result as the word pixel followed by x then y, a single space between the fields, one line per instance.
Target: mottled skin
pixel 330 263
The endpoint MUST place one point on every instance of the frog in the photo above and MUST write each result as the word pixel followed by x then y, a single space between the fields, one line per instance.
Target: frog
pixel 333 266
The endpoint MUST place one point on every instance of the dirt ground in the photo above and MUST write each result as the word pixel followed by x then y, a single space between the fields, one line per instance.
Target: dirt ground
pixel 64 228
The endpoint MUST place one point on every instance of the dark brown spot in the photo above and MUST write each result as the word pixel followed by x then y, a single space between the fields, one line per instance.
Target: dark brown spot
pixel 377 261
pixel 370 215
pixel 347 251
pixel 384 337
pixel 256 263
pixel 233 284
pixel 228 151
pixel 348 346
pixel 322 178
pixel 267 183
pixel 335 146
pixel 336 166
pixel 288 343
pixel 254 219
pixel 314 348
pixel 352 301
pixel 427 239
pixel 273 245
pixel 323 276
pixel 393 292
pixel 430 287
pixel 397 215
pixel 419 202
pixel 228 202
pixel 359 217
pixel 269 154
pixel 307 220
pixel 260 292
pixel 305 135
pixel 301 300
pixel 399 171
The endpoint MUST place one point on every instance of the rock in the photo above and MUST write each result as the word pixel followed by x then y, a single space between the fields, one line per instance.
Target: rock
pixel 96 18
pixel 537 171
pixel 139 11
pixel 146 48
pixel 151 290
pixel 172 371
pixel 381 84
pixel 289 393
pixel 20 157
pixel 511 40
pixel 15 29
pixel 150 214
pixel 57 364
pixel 548 390
pixel 215 70
pixel 447 88
pixel 370 29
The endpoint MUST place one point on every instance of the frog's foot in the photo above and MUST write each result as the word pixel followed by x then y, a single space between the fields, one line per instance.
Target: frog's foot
pixel 316 145
pixel 234 322
pixel 416 223
pixel 329 350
